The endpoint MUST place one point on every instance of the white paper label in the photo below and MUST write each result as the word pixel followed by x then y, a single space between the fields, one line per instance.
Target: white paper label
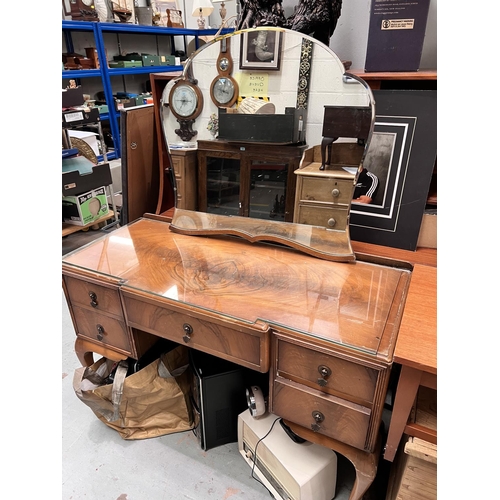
pixel 398 24
pixel 73 117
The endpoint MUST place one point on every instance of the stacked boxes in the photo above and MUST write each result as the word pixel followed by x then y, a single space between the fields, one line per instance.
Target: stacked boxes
pixel 85 208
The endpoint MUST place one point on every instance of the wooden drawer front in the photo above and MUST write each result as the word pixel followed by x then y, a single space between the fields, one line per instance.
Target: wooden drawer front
pixel 113 333
pixel 336 191
pixel 325 216
pixel 237 346
pixel 98 297
pixel 346 379
pixel 342 420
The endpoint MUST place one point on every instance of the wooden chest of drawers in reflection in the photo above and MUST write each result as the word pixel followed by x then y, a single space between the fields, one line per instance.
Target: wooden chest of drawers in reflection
pixel 184 164
pixel 323 197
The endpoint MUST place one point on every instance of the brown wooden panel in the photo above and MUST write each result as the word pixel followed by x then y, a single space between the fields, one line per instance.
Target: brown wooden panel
pixel 346 378
pixel 322 215
pixel 140 173
pixel 114 332
pixel 328 190
pixel 344 421
pixel 245 349
pixel 106 299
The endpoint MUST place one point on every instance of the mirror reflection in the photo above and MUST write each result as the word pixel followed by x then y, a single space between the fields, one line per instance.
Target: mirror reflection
pixel 278 128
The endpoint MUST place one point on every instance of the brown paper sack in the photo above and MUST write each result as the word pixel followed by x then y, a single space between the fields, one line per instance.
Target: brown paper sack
pixel 152 402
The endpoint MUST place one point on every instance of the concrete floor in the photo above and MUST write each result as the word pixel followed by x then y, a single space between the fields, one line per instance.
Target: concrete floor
pixel 97 464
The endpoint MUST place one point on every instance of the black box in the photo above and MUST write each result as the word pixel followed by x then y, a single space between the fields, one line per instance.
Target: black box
pixel 219 396
pixel 72 98
pixel 218 393
pixel 77 117
pixel 74 183
pixel 396 35
pixel 276 129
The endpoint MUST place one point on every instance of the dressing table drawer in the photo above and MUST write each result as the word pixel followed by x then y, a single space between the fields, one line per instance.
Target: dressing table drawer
pixel 326 373
pixel 244 345
pixel 324 189
pixel 321 215
pixel 105 330
pixel 97 297
pixel 330 416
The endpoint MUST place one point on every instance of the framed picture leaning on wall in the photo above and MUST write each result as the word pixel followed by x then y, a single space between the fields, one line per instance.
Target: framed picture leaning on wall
pixel 261 50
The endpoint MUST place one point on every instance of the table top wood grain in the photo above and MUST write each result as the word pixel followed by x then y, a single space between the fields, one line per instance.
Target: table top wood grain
pixel 416 344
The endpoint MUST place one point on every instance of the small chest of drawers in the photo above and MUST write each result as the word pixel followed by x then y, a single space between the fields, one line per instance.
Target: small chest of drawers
pixel 323 197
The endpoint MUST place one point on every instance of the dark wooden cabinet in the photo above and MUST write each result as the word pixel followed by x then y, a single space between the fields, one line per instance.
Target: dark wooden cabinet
pixel 246 179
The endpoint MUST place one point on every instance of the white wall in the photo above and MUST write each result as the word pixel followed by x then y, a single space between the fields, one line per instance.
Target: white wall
pixel 351 35
pixel 326 87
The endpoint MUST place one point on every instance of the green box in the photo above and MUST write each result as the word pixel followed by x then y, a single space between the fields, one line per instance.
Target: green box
pixel 125 64
pixel 167 60
pixel 86 208
pixel 149 60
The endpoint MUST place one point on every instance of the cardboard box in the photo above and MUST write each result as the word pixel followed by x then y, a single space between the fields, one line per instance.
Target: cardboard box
pixel 396 35
pixel 86 208
pixel 427 237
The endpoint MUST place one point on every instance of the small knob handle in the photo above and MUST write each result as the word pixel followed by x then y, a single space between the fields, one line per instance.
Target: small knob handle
pixel 100 332
pixel 325 372
pixel 188 330
pixel 331 222
pixel 93 299
pixel 318 418
pixel 335 192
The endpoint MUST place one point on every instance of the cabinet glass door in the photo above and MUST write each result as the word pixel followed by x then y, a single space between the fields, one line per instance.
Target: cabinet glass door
pixel 223 186
pixel 268 183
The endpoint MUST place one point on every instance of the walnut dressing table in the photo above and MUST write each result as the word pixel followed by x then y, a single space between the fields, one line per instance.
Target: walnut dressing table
pixel 325 331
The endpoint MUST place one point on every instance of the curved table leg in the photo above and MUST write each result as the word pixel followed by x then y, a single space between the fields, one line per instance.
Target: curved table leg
pixel 365 463
pixel 85 352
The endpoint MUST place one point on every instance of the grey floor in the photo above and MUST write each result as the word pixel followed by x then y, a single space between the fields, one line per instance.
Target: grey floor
pixel 97 464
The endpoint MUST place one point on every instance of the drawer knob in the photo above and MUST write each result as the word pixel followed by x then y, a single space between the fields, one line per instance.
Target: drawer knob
pixel 100 332
pixel 325 372
pixel 93 299
pixel 188 330
pixel 331 222
pixel 335 193
pixel 318 418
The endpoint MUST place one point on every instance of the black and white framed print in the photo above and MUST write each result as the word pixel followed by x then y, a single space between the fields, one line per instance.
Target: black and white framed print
pixel 402 154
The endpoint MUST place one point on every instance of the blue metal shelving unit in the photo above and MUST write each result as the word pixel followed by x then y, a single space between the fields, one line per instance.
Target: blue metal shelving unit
pixel 105 73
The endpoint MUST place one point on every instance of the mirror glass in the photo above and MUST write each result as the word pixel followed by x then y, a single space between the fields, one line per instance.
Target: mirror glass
pixel 280 131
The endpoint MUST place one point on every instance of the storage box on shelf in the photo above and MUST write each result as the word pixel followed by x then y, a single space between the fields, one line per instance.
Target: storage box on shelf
pixel 86 188
pixel 86 208
pixel 100 33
